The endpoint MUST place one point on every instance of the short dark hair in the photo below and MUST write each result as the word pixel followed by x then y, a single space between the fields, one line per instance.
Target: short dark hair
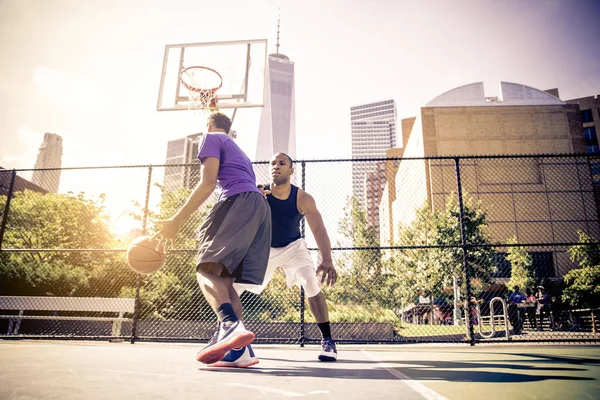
pixel 289 158
pixel 220 121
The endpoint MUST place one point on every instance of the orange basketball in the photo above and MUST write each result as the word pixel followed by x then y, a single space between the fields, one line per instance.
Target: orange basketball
pixel 144 255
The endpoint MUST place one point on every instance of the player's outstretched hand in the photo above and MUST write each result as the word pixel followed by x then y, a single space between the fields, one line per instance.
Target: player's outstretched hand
pixel 167 233
pixel 328 272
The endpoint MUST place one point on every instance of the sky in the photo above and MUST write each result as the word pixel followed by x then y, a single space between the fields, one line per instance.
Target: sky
pixel 90 70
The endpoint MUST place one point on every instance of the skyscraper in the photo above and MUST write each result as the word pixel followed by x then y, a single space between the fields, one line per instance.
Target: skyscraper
pixel 182 151
pixel 373 128
pixel 49 156
pixel 277 131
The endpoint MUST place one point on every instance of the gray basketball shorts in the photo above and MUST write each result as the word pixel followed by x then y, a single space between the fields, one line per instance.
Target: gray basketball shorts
pixel 237 234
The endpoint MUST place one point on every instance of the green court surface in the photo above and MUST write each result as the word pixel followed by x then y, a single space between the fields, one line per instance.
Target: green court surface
pixel 99 370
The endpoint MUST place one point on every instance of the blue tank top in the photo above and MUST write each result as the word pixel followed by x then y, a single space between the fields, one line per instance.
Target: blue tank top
pixel 285 219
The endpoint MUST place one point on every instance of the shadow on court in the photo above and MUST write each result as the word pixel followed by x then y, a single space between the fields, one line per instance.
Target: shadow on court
pixel 433 370
pixel 99 370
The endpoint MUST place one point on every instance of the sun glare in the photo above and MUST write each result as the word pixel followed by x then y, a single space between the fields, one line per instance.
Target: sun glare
pixel 124 225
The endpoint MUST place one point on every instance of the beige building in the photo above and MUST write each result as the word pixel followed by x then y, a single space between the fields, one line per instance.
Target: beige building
pixel 373 184
pixel 537 200
pixel 590 121
pixel 388 195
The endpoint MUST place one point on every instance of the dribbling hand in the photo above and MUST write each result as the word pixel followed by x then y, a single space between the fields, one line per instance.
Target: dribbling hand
pixel 329 274
pixel 167 233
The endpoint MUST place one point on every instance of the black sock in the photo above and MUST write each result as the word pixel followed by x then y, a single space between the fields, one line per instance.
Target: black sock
pixel 325 329
pixel 226 314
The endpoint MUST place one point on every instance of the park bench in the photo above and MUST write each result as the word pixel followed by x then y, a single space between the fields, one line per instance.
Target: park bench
pixel 77 305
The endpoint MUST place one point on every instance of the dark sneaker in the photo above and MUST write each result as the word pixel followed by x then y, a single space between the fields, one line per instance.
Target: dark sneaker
pixel 329 352
pixel 230 336
pixel 237 358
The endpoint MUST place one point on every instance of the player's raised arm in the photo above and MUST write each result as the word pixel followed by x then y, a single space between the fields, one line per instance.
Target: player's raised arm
pixel 208 180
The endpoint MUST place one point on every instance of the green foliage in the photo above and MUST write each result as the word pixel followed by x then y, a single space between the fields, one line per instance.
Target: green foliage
pixel 367 279
pixel 359 313
pixel 430 270
pixel 55 222
pixel 345 313
pixel 360 234
pixel 521 273
pixel 361 274
pixel 276 303
pixel 173 292
pixel 583 283
pixel 586 253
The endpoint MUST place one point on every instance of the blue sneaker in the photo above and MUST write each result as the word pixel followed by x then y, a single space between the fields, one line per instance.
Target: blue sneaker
pixel 229 336
pixel 329 352
pixel 237 358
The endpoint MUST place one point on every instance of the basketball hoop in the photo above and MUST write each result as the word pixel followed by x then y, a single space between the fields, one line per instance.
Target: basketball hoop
pixel 202 84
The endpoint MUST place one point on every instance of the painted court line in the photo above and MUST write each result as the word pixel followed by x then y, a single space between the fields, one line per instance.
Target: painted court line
pixel 119 371
pixel 265 390
pixel 423 390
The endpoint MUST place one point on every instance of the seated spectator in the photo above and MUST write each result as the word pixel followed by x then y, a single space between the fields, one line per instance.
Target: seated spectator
pixel 515 311
pixel 543 306
pixel 472 304
pixel 530 308
pixel 555 310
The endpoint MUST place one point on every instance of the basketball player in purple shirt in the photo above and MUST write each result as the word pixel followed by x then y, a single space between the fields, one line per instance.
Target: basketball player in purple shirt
pixel 234 240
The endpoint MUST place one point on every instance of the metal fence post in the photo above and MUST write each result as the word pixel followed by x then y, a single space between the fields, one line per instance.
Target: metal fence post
pixel 11 186
pixel 464 247
pixel 302 294
pixel 138 283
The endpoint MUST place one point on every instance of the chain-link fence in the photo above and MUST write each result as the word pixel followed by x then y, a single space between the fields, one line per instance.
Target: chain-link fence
pixel 445 249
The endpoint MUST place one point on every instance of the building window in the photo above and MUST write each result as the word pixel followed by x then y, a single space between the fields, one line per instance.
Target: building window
pixel 542 265
pixel 590 134
pixel 586 116
pixel 502 266
pixel 595 168
pixel 591 140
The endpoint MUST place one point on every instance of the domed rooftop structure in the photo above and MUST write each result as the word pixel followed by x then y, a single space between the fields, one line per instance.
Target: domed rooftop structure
pixel 279 55
pixel 511 94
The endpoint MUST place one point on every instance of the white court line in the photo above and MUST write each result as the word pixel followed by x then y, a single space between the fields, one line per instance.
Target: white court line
pixel 119 371
pixel 423 390
pixel 265 390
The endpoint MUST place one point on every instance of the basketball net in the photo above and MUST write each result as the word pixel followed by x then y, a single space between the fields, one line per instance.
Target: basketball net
pixel 202 84
pixel 202 103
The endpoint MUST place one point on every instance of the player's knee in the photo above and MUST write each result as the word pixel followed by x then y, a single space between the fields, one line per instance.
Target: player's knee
pixel 307 278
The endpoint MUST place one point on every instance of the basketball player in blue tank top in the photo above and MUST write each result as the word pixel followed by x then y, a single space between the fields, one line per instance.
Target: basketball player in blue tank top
pixel 289 204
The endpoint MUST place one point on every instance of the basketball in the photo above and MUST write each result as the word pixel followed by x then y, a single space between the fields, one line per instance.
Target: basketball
pixel 143 256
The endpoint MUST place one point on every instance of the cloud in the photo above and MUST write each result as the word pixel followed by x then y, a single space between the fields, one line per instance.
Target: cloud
pixel 23 151
pixel 62 88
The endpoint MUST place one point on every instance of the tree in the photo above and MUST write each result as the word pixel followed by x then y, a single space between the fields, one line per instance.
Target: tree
pixel 57 222
pixel 172 292
pixel 361 276
pixel 521 274
pixel 583 284
pixel 431 270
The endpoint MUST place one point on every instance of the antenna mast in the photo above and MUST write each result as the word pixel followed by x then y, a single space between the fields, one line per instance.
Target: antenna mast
pixel 278 21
